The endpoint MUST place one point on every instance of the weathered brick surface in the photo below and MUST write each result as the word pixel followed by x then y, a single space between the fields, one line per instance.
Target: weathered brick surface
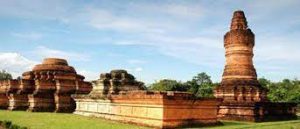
pixel 114 82
pixel 48 87
pixel 239 80
pixel 155 109
pixel 243 97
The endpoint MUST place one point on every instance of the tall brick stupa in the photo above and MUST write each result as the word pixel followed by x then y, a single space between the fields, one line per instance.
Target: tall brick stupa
pixel 239 81
pixel 243 97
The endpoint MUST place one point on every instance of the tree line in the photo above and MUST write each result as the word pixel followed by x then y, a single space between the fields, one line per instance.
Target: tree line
pixel 201 85
pixel 284 91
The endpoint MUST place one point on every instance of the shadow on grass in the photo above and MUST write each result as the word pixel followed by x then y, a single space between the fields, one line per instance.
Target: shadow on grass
pixel 232 123
pixel 189 125
pixel 219 125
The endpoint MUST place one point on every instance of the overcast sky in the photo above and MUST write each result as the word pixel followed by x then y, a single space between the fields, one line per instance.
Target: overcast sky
pixel 152 39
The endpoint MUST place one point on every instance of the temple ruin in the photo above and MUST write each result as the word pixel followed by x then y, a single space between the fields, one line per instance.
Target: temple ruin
pixel 54 86
pixel 118 96
pixel 48 87
pixel 114 82
pixel 243 97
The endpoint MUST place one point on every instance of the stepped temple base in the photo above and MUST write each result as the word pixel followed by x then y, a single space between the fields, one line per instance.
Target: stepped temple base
pixel 3 101
pixel 154 109
pixel 41 103
pixel 64 103
pixel 18 102
pixel 47 88
pixel 257 111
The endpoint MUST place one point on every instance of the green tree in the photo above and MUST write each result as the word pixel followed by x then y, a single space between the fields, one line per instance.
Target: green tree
pixel 168 85
pixel 283 91
pixel 264 82
pixel 5 75
pixel 201 85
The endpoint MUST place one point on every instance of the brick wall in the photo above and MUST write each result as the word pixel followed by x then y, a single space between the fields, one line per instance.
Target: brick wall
pixel 155 109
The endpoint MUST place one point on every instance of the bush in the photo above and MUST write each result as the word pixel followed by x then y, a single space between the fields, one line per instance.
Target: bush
pixel 9 125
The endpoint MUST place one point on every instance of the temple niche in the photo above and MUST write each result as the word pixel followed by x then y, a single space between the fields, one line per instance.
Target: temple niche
pixel 48 87
pixel 243 97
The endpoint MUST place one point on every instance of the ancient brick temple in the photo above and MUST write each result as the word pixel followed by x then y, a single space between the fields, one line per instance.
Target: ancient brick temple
pixel 114 82
pixel 243 97
pixel 48 87
pixel 118 96
pixel 239 81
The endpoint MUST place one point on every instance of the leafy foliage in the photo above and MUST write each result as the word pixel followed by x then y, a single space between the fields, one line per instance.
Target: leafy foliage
pixel 284 91
pixel 168 85
pixel 5 75
pixel 201 85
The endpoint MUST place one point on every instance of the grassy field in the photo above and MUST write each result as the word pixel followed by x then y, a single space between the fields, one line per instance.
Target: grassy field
pixel 60 121
pixel 292 124
pixel 71 121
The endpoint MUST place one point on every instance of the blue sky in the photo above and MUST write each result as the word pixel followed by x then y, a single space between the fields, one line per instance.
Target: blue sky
pixel 151 39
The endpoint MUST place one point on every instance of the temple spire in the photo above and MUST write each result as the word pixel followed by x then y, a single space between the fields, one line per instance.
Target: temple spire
pixel 238 21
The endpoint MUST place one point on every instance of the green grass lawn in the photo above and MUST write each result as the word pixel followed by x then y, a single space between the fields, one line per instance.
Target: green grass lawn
pixel 60 121
pixel 71 121
pixel 292 124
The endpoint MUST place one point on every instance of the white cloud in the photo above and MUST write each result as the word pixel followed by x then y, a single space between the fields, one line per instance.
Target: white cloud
pixel 136 61
pixel 184 11
pixel 36 9
pixel 138 69
pixel 171 9
pixel 175 29
pixel 199 50
pixel 127 43
pixel 134 70
pixel 160 32
pixel 15 63
pixel 278 48
pixel 28 35
pixel 261 5
pixel 46 52
pixel 144 18
pixel 277 57
pixel 108 20
pixel 89 75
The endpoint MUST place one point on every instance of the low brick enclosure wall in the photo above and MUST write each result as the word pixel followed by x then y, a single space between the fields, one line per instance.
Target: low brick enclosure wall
pixel 155 109
pixel 257 111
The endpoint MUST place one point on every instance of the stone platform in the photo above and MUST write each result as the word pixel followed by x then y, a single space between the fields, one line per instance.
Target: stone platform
pixel 154 109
